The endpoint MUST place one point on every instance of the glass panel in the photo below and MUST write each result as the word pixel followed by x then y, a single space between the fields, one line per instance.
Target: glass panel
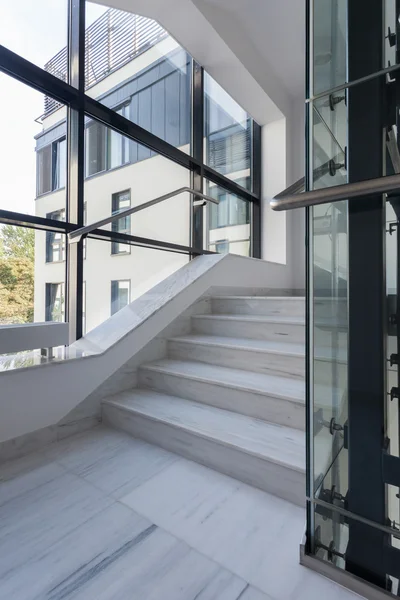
pixel 24 29
pixel 132 62
pixel 329 141
pixel 332 534
pixel 31 289
pixel 329 25
pixel 330 41
pixel 110 283
pixel 32 152
pixel 145 177
pixel 330 332
pixel 227 134
pixel 228 223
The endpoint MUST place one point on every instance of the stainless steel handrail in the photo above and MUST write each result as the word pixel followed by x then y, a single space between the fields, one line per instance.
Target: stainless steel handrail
pixel 360 189
pixel 75 236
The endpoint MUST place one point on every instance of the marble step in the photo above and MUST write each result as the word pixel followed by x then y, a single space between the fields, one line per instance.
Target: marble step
pixel 277 328
pixel 267 456
pixel 259 305
pixel 264 396
pixel 260 356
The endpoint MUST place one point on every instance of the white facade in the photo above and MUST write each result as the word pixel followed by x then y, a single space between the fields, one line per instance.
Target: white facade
pixel 146 179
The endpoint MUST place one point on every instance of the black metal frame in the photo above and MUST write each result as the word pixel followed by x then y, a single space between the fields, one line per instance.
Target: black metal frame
pixel 72 95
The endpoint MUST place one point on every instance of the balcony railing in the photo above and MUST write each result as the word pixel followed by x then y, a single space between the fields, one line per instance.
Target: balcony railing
pixel 111 41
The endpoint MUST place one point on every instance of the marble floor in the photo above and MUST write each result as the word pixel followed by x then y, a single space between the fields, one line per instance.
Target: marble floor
pixel 103 516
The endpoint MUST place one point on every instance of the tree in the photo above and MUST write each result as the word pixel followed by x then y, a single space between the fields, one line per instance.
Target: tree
pixel 17 256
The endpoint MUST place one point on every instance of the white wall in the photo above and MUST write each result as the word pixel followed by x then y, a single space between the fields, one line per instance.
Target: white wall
pixel 273 224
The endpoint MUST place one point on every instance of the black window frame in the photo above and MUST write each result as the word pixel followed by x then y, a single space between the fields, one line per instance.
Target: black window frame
pixel 81 109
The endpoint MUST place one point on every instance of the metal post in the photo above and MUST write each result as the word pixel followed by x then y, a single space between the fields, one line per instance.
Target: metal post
pixel 197 151
pixel 366 349
pixel 75 165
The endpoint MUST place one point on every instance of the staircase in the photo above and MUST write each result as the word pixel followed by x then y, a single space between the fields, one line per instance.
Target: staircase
pixel 230 395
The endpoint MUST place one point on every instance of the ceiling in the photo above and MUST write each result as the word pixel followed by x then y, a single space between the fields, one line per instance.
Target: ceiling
pixel 253 48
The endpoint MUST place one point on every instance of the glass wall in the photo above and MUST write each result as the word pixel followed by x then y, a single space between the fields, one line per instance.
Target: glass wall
pixel 137 142
pixel 353 385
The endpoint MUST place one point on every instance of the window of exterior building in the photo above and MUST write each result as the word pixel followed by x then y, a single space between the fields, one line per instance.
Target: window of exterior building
pixel 121 201
pixel 230 211
pixel 222 247
pixel 55 302
pixel 51 167
pixel 227 133
pixel 95 148
pixel 118 145
pixel 55 242
pixel 120 295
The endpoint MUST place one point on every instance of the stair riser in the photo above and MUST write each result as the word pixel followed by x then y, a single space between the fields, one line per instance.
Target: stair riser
pixel 244 329
pixel 260 406
pixel 275 479
pixel 258 306
pixel 234 358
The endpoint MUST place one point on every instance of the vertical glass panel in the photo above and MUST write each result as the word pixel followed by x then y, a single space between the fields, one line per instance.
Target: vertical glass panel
pixel 32 151
pixel 227 134
pixel 330 332
pixel 330 48
pixel 112 282
pixel 329 141
pixel 145 177
pixel 25 29
pixel 228 224
pixel 393 346
pixel 136 68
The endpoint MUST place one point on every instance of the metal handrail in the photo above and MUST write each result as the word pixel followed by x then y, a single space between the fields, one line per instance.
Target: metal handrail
pixel 76 236
pixel 360 189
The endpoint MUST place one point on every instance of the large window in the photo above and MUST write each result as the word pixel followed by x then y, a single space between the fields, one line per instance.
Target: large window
pixel 143 138
pixel 55 242
pixel 120 295
pixel 55 302
pixel 121 201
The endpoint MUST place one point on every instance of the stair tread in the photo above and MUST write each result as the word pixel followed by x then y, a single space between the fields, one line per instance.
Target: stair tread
pixel 282 319
pixel 278 386
pixel 302 298
pixel 279 444
pixel 253 345
pixel 290 348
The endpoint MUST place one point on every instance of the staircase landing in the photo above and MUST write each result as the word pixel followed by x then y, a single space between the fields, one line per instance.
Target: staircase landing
pixel 104 516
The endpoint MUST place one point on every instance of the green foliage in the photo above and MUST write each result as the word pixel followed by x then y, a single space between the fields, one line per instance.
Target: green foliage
pixel 17 261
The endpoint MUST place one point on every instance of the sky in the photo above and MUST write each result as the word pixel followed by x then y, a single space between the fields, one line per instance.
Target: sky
pixel 37 30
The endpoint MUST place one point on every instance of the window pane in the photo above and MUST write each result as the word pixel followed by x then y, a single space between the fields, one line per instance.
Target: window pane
pixel 121 201
pixel 55 241
pixel 143 267
pixel 228 222
pixel 95 147
pixel 146 177
pixel 227 143
pixel 133 59
pixel 37 31
pixel 44 170
pixel 29 153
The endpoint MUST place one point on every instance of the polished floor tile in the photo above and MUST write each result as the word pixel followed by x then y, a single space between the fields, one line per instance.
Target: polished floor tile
pixel 33 521
pixel 112 461
pixel 102 516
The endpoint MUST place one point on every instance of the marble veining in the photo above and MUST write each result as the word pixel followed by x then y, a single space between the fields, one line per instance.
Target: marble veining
pixel 184 533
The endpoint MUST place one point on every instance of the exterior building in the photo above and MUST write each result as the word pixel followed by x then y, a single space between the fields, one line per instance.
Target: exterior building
pixel 143 74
